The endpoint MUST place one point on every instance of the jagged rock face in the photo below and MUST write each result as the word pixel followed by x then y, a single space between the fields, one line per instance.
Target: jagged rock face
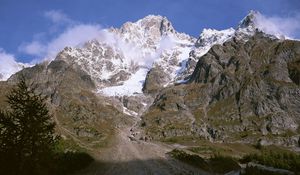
pixel 105 65
pixel 249 20
pixel 147 31
pixel 241 90
pixel 155 80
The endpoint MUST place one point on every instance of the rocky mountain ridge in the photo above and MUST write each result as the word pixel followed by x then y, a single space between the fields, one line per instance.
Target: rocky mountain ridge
pixel 144 49
pixel 233 85
pixel 239 91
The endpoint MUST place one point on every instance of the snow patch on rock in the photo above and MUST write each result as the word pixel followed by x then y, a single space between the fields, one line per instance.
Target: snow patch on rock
pixel 129 87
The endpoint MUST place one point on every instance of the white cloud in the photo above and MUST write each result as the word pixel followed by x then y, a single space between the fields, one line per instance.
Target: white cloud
pixel 77 35
pixel 166 43
pixel 275 25
pixel 8 65
pixel 33 48
pixel 57 16
pixel 72 36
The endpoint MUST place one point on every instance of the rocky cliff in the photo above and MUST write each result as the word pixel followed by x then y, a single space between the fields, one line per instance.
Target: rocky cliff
pixel 244 91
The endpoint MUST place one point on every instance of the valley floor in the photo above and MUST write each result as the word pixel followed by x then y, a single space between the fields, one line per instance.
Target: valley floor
pixel 128 156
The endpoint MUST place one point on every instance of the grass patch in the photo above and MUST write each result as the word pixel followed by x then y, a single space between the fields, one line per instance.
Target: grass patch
pixel 208 149
pixel 69 145
pixel 179 139
pixel 190 159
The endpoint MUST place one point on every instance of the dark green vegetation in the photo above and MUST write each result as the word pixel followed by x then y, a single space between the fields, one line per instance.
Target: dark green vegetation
pixel 68 162
pixel 28 144
pixel 216 164
pixel 190 159
pixel 257 171
pixel 276 158
pixel 217 160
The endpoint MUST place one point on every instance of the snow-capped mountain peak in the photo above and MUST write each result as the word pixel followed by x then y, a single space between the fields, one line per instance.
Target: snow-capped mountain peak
pixel 246 28
pixel 122 57
pixel 250 20
pixel 254 22
pixel 209 37
pixel 149 32
pixel 149 43
pixel 155 23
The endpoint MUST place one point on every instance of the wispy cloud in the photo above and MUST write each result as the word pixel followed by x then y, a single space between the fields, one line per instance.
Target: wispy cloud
pixel 78 34
pixel 71 34
pixel 57 16
pixel 33 48
pixel 8 65
pixel 275 25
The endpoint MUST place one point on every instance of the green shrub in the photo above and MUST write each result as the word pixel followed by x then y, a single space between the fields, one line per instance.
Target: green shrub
pixel 277 159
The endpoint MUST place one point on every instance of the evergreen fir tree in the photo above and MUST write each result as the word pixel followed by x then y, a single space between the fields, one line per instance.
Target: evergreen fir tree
pixel 27 134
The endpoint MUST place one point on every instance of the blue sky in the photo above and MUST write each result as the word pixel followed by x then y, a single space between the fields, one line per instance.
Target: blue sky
pixel 34 23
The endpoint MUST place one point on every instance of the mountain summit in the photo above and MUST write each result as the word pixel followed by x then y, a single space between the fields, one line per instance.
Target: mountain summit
pixel 250 20
pixel 143 42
